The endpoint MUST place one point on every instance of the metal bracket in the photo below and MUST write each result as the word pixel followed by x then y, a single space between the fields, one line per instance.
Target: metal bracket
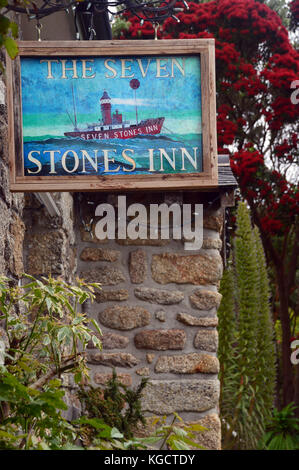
pixel 228 198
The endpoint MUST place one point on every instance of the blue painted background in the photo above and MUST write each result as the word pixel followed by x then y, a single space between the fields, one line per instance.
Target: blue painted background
pixel 45 103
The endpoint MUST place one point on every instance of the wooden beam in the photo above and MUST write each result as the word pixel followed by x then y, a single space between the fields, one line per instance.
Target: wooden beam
pixel 47 200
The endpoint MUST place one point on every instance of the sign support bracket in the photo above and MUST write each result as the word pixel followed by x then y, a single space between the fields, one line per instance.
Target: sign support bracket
pixel 48 202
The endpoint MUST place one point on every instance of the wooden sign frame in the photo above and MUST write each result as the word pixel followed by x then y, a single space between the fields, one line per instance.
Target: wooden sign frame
pixel 208 178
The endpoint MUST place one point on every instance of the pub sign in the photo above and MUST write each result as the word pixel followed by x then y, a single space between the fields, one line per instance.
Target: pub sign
pixel 112 115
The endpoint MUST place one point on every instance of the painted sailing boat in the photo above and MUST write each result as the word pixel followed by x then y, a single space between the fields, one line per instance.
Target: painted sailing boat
pixel 112 126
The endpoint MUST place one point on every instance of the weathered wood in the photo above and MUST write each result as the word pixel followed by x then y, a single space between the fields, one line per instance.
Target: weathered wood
pixel 17 110
pixel 107 48
pixel 212 111
pixel 11 128
pixel 226 182
pixel 111 184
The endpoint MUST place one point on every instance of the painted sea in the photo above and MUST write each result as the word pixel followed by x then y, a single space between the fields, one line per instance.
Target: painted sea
pixel 166 150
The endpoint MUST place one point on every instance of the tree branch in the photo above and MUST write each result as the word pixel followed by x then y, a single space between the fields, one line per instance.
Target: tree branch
pixel 70 363
pixel 292 267
pixel 267 242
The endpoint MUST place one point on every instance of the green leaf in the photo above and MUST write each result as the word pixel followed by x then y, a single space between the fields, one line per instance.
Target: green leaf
pixel 192 443
pixel 95 324
pixel 4 24
pixel 78 377
pixel 55 383
pixel 8 435
pixel 46 340
pixel 83 297
pixel 70 446
pixel 176 444
pixel 197 428
pixel 63 333
pixel 43 446
pixel 69 306
pixel 150 440
pixel 115 434
pixel 179 432
pixel 96 342
pixel 96 423
pixel 53 399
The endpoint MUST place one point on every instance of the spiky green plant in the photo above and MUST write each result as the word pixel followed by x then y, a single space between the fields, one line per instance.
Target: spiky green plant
pixel 265 336
pixel 227 338
pixel 246 348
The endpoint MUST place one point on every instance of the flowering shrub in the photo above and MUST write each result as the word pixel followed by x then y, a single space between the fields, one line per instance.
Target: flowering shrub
pixel 256 67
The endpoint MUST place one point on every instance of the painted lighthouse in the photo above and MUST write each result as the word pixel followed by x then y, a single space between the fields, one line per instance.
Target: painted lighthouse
pixel 106 111
pixel 112 126
pixel 106 108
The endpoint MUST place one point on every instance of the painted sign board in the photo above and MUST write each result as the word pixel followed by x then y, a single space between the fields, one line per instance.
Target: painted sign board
pixel 112 115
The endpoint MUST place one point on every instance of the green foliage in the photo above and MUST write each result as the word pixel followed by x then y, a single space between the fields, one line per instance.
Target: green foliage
pixel 175 437
pixel 227 330
pixel 119 25
pixel 282 432
pixel 30 418
pixel 112 416
pixel 96 434
pixel 44 328
pixel 8 33
pixel 246 346
pixel 116 404
pixel 44 336
pixel 265 336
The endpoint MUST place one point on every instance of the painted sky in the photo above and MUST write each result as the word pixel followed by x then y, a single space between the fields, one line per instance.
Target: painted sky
pixel 45 101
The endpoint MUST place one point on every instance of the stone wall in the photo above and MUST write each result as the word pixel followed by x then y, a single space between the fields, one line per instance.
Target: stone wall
pixel 12 228
pixel 49 244
pixel 158 303
pixel 49 249
pixel 30 239
pixel 158 313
